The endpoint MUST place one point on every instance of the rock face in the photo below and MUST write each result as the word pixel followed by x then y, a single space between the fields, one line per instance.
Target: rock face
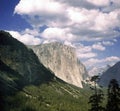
pixel 62 60
pixel 112 73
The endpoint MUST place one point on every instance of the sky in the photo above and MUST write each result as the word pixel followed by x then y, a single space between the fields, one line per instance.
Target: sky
pixel 92 27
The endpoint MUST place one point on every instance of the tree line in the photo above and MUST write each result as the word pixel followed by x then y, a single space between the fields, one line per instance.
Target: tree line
pixel 97 98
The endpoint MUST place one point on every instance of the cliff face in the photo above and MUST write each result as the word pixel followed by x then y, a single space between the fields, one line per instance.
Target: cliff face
pixel 112 73
pixel 62 60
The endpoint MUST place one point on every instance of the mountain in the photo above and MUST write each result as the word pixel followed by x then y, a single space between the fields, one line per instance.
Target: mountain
pixel 61 59
pixel 26 85
pixel 22 60
pixel 112 72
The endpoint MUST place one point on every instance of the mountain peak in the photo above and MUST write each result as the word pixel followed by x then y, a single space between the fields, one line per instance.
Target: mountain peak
pixel 111 73
pixel 62 60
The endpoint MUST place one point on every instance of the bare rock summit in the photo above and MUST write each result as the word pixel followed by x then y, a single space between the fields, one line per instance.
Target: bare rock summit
pixel 61 59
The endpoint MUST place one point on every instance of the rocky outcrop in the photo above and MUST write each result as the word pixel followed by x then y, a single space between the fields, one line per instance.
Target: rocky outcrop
pixel 62 60
pixel 112 73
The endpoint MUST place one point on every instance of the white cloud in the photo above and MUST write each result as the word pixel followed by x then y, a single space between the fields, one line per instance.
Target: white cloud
pixel 108 43
pixel 48 41
pixel 82 23
pixel 77 15
pixel 101 62
pixel 96 70
pixel 96 66
pixel 115 4
pixel 25 38
pixel 84 52
pixel 72 21
pixel 86 55
pixel 100 2
pixel 33 7
pixel 98 46
pixel 68 43
pixel 34 32
pixel 41 12
pixel 112 59
pixel 84 49
pixel 91 61
pixel 57 33
pixel 103 21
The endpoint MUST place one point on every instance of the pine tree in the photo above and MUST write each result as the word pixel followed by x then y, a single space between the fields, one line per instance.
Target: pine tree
pixel 113 103
pixel 96 99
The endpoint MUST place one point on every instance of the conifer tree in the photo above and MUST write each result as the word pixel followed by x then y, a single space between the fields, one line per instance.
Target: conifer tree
pixel 96 99
pixel 113 103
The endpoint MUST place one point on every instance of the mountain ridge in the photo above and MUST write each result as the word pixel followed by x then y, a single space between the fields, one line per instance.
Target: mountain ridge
pixel 111 73
pixel 21 59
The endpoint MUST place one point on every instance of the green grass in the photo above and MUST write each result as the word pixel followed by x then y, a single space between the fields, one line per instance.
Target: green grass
pixel 54 96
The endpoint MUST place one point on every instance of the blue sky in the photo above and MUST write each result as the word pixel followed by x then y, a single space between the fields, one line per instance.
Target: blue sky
pixel 91 26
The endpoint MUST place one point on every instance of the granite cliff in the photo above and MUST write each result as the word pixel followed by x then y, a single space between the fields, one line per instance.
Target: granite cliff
pixel 62 60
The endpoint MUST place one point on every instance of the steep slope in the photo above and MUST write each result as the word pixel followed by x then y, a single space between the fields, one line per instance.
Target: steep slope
pixel 112 73
pixel 26 85
pixel 9 77
pixel 62 60
pixel 22 60
pixel 52 96
pixel 55 96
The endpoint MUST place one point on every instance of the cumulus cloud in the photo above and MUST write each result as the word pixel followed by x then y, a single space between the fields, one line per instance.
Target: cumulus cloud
pixel 114 4
pixel 73 21
pixel 89 51
pixel 27 39
pixel 87 55
pixel 57 33
pixel 85 52
pixel 100 2
pixel 84 49
pixel 98 46
pixel 112 59
pixel 41 12
pixel 43 7
pixel 34 32
pixel 97 70
pixel 69 43
pixel 108 43
pixel 96 66
pixel 98 62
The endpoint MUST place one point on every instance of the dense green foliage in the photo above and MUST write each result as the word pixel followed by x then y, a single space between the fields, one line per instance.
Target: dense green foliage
pixel 54 96
pixel 97 98
pixel 113 103
pixel 22 60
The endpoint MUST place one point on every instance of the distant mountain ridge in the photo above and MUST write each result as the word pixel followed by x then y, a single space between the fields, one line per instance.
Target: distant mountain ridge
pixel 62 60
pixel 111 73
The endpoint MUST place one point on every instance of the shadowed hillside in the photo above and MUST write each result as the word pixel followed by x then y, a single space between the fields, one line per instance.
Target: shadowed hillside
pixel 26 85
pixel 112 73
